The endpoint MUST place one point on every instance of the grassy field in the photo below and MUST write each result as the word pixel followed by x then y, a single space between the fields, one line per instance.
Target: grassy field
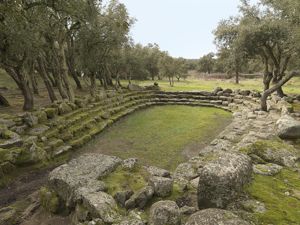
pixel 194 83
pixel 293 87
pixel 191 84
pixel 163 136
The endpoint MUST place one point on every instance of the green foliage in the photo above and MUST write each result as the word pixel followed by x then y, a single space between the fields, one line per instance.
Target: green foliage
pixel 206 63
pixel 260 31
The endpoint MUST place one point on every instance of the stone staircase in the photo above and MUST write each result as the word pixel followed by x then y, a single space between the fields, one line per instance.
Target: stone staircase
pixel 55 130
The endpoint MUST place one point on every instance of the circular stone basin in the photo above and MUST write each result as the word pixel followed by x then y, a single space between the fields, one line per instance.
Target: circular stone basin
pixel 162 136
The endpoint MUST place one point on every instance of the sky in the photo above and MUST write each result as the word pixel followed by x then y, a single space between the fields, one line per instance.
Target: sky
pixel 181 27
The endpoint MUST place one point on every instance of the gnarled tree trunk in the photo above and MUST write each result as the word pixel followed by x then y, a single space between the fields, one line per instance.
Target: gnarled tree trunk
pixel 64 72
pixel 271 90
pixel 43 73
pixel 21 80
pixel 3 101
pixel 93 84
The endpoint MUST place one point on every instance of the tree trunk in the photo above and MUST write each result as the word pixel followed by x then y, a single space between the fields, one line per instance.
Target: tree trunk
pixel 71 64
pixel 237 77
pixel 93 84
pixel 267 75
pixel 129 78
pixel 51 78
pixel 43 73
pixel 58 78
pixel 277 77
pixel 28 97
pixel 74 74
pixel 105 83
pixel 59 83
pixel 23 84
pixel 34 82
pixel 118 83
pixel 280 92
pixel 267 80
pixel 76 79
pixel 3 101
pixel 271 90
pixel 263 101
pixel 32 77
pixel 101 80
pixel 64 72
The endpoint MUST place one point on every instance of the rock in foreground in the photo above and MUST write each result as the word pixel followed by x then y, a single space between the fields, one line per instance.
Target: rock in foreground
pixel 77 183
pixel 164 212
pixel 222 179
pixel 288 127
pixel 215 217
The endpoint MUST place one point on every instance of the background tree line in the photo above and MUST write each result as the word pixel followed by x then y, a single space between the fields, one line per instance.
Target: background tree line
pixel 61 42
pixel 267 32
pixel 263 37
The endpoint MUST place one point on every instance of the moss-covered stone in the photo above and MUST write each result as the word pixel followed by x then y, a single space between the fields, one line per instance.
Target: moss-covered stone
pixel 80 141
pixel 3 154
pixel 272 151
pixel 64 108
pixel 9 155
pixel 121 180
pixel 72 105
pixel 6 168
pixel 261 146
pixel 81 103
pixel 51 133
pixel 66 136
pixel 51 112
pixel 42 116
pixel 7 134
pixel 33 154
pixel 30 119
pixel 278 195
pixel 49 200
pixel 55 143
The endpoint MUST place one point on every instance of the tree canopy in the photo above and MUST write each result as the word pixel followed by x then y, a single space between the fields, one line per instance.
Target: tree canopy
pixel 54 41
pixel 263 30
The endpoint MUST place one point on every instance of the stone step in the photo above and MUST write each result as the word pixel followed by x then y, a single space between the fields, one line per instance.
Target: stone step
pixel 181 100
pixel 95 128
pixel 82 116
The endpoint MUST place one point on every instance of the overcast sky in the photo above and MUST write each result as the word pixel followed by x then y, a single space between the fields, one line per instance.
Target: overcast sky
pixel 181 27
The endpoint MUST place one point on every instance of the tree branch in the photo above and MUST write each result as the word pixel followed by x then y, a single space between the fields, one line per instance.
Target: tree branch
pixel 282 82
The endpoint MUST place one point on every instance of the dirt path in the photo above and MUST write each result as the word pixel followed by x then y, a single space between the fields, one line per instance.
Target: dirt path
pixel 23 186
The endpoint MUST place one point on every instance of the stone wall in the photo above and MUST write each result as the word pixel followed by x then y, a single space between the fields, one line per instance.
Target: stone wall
pixel 41 136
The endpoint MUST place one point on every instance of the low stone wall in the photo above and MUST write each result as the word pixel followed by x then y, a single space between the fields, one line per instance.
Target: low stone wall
pixel 50 132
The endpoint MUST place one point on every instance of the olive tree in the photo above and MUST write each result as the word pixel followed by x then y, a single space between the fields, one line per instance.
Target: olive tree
pixel 265 33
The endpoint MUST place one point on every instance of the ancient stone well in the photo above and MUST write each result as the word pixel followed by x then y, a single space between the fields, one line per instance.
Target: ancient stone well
pixel 101 189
